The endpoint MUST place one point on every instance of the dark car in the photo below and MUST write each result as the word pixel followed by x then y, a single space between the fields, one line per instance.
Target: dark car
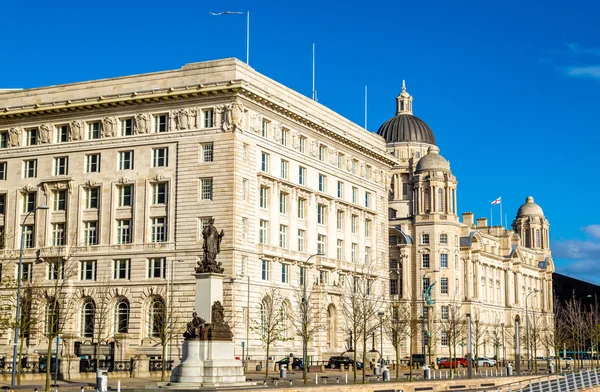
pixel 342 362
pixel 418 358
pixel 297 363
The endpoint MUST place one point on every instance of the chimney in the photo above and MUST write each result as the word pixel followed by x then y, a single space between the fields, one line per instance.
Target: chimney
pixel 481 222
pixel 468 219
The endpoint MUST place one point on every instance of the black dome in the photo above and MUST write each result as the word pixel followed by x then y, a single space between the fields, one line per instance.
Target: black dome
pixel 406 128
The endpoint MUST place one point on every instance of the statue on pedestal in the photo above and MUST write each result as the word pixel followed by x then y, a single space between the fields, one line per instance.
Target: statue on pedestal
pixel 427 294
pixel 211 246
pixel 195 328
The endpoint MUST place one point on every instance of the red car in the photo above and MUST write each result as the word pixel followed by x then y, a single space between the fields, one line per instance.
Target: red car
pixel 456 363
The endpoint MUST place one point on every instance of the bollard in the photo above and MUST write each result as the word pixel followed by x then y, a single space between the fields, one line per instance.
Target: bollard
pixel 282 372
pixel 118 385
pixel 346 377
pixel 316 379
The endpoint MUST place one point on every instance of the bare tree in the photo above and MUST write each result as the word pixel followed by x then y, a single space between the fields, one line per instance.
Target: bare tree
pixel 396 325
pixel 455 326
pixel 573 322
pixel 479 332
pixel 495 333
pixel 351 312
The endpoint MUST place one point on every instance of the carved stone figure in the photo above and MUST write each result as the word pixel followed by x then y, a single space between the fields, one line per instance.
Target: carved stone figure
pixel 195 328
pixel 211 246
pixel 109 127
pixel 255 122
pixel 218 329
pixel 45 133
pixel 14 137
pixel 75 129
pixel 428 300
pixel 277 132
pixel 233 116
pixel 182 119
pixel 142 123
pixel 295 140
pixel 314 148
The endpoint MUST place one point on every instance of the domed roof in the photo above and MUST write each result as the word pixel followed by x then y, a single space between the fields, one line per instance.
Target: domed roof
pixel 433 161
pixel 406 128
pixel 529 208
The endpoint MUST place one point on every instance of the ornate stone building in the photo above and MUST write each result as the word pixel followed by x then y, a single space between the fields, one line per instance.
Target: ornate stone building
pixel 487 271
pixel 133 168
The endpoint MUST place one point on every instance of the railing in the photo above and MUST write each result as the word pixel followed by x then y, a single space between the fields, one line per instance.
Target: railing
pixel 156 365
pixel 28 367
pixel 566 382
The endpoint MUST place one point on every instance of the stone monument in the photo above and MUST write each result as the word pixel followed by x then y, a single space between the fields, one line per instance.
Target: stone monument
pixel 208 348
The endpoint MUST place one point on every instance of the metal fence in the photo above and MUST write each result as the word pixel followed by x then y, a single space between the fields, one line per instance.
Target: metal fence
pixel 566 382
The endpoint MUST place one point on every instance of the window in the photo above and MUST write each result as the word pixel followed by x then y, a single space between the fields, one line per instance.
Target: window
pixel 443 260
pixel 444 338
pixel 90 232
pixel 263 197
pixel 207 189
pixel 368 199
pixel 203 222
pixel 208 152
pixel 2 204
pixel 301 205
pixel 265 128
pixel 321 214
pixel 282 203
pixel 121 268
pixel 208 116
pixel 29 201
pixel 284 137
pixel 126 160
pixel 367 255
pixel 126 127
pixel 340 160
pixel 88 312
pixel 122 316
pixel 367 228
pixel 264 162
pixel 93 130
pixel 282 236
pixel 2 170
pixel 58 234
pixel 426 283
pixel 60 200
pixel 157 317
pixel 353 255
pixel 245 189
pixel 284 169
pixel 368 172
pixel 156 268
pixel 161 123
pixel 322 183
pixel 369 286
pixel 159 193
pixel 340 249
pixel 302 175
pixel 27 272
pixel 302 274
pixel 123 231
pixel 263 232
pixel 444 285
pixel 56 270
pixel 3 139
pixel 244 229
pixel 537 238
pixel 30 168
pixel 92 163
pixel 354 224
pixel 160 157
pixel 159 229
pixel 443 239
pixel 31 137
pixel 404 189
pixel 340 220
pixel 300 240
pixel 354 195
pixel 425 239
pixel 62 134
pixel 393 286
pixel 87 270
pixel 265 270
pixel 440 200
pixel 425 260
pixel 285 273
pixel 321 243
pixel 417 154
pixel 340 189
pixel 91 198
pixel 323 277
pixel 445 312
pixel 125 193
pixel 322 152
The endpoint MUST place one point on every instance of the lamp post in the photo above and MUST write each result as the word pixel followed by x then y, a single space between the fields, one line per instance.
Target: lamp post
pixel 18 307
pixel 469 348
pixel 305 319
pixel 380 315
pixel 503 346
pixel 246 347
pixel 171 309
pixel 527 329
pixel 423 307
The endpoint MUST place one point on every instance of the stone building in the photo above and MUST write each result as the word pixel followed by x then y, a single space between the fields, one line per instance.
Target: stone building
pixel 133 168
pixel 487 271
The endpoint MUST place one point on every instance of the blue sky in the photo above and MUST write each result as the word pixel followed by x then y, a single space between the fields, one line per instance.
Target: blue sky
pixel 509 89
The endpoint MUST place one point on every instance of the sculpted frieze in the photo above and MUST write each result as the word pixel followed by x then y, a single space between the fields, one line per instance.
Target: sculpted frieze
pixel 255 122
pixel 183 119
pixel 313 148
pixel 109 127
pixel 75 130
pixel 277 132
pixel 232 116
pixel 45 133
pixel 142 123
pixel 14 137
pixel 333 156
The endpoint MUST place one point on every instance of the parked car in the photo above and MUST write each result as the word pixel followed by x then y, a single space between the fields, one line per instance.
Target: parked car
pixel 456 363
pixel 297 363
pixel 418 358
pixel 342 362
pixel 438 360
pixel 486 362
pixel 566 359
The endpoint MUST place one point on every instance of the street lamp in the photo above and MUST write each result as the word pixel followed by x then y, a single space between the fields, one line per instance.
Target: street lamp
pixel 18 307
pixel 423 304
pixel 171 310
pixel 305 318
pixel 246 348
pixel 469 348
pixel 380 315
pixel 527 329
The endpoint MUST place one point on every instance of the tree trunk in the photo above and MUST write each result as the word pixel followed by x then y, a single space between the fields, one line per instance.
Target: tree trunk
pixel 364 357
pixel 19 356
pixel 267 362
pixel 397 359
pixel 48 366
pixel 355 343
pixel 163 370
pixel 410 358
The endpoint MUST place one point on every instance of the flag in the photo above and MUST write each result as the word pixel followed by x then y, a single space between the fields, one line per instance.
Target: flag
pixel 497 201
pixel 226 13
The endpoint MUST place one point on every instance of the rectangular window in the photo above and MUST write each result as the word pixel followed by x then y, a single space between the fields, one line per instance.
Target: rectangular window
pixel 59 199
pixel 263 197
pixel 302 144
pixel 208 116
pixel 160 157
pixel 340 160
pixel 244 229
pixel 322 152
pixel 425 260
pixel 2 170
pixel 367 228
pixel 2 204
pixel 321 243
pixel 263 232
pixel 123 231
pixel 301 205
pixel 265 128
pixel 354 224
pixel 58 234
pixel 29 201
pixel 90 232
pixel 443 239
pixel 321 214
pixel 159 229
pixel 159 193
pixel 87 270
pixel 126 126
pixel 368 199
pixel 393 286
pixel 353 254
pixel 245 189
pixel 56 270
pixel 444 285
pixel 27 272
pixel 207 189
pixel 340 220
pixel 126 160
pixel 340 249
pixel 265 271
pixel 93 130
pixel 302 175
pixel 282 203
pixel 121 269
pixel 285 273
pixel 300 240
pixel 354 195
pixel 340 189
pixel 245 148
pixel 426 283
pixel 62 134
pixel 284 169
pixel 443 260
pixel 367 255
pixel 445 312
pixel 425 239
pixel 91 198
pixel 92 163
pixel 30 168
pixel 284 137
pixel 208 152
pixel 444 338
pixel 61 166
pixel 302 274
pixel 404 189
pixel 264 162
pixel 125 195
pixel 203 223
pixel 156 268
pixel 161 123
pixel 3 139
pixel 322 183
pixel 29 237
pixel 282 236
pixel 31 137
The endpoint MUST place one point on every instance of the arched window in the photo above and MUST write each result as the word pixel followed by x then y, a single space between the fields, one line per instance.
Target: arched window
pixel 157 318
pixel 527 241
pixel 263 317
pixel 440 200
pixel 427 201
pixel 52 317
pixel 88 316
pixel 538 240
pixel 331 327
pixel 122 316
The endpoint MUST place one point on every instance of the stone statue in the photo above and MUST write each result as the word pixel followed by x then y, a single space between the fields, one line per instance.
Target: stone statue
pixel 142 123
pixel 277 132
pixel 211 246
pixel 255 122
pixel 75 130
pixel 45 133
pixel 182 119
pixel 233 117
pixel 218 329
pixel 14 137
pixel 427 294
pixel 195 328
pixel 109 127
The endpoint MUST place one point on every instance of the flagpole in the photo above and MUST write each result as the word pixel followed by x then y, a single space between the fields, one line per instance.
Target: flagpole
pixel 365 107
pixel 314 93
pixel 248 37
pixel 491 216
pixel 501 211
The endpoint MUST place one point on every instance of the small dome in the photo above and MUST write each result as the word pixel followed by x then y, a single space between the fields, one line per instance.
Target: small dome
pixel 433 161
pixel 530 208
pixel 406 128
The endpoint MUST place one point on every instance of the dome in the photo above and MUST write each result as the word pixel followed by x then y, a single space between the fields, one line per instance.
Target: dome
pixel 433 161
pixel 529 208
pixel 406 128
